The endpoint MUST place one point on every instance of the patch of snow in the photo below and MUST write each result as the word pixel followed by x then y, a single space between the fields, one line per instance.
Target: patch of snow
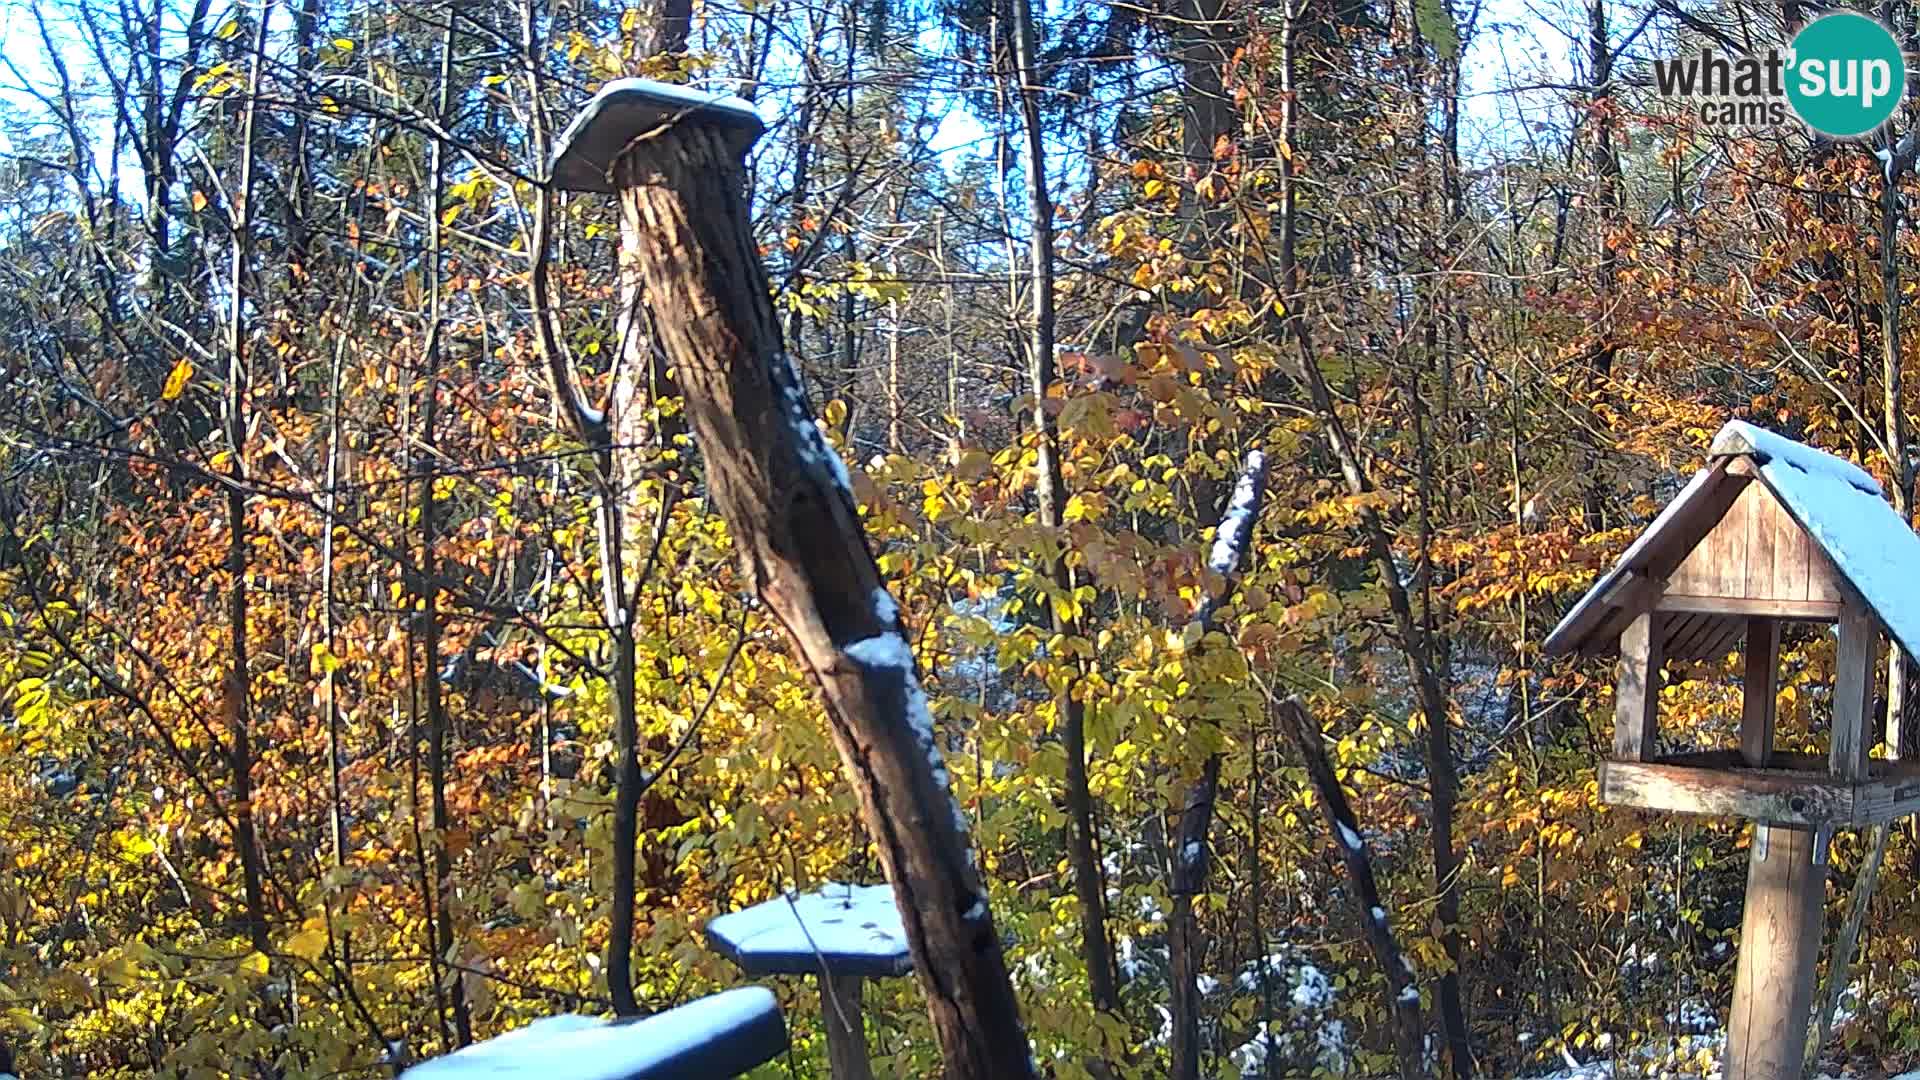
pixel 1771 448
pixel 1312 990
pixel 812 441
pixel 1150 910
pixel 884 609
pixel 890 652
pixel 667 95
pixel 1350 839
pixel 1236 525
pixel 1379 915
pixel 1859 530
pixel 1205 984
pixel 1275 966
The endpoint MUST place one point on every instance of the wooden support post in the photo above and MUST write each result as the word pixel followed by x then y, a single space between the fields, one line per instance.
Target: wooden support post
pixel 1853 689
pixel 1758 694
pixel 1779 943
pixel 1636 704
pixel 846 1027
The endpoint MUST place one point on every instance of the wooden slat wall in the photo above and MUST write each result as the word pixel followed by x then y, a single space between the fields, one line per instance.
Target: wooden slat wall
pixel 1756 552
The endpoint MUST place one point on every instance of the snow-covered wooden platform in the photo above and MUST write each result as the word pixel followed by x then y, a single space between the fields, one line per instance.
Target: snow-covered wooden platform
pixel 715 1037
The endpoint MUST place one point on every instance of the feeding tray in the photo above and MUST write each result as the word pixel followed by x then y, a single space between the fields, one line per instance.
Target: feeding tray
pixel 629 109
pixel 719 1036
pixel 842 935
pixel 848 929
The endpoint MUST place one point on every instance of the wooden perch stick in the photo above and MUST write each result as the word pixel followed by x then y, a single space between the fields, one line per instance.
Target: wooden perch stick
pixel 785 496
pixel 1403 997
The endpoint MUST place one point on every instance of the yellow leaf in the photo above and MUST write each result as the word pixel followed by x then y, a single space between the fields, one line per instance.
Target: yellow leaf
pixel 177 380
pixel 254 963
pixel 199 200
pixel 308 944
pixel 228 30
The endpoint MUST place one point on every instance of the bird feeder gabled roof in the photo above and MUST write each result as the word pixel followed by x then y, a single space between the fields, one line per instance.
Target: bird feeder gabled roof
pixel 1733 541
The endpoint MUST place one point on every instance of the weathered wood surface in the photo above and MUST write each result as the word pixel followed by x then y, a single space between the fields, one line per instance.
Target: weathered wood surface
pixel 1739 607
pixel 1759 703
pixel 846 1027
pixel 797 534
pixel 1756 552
pixel 1796 789
pixel 1760 795
pixel 1636 703
pixel 1853 666
pixel 1779 943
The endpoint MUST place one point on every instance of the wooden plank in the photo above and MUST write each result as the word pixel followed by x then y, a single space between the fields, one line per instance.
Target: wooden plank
pixel 1759 564
pixel 1726 638
pixel 1755 794
pixel 1759 701
pixel 1853 690
pixel 1797 610
pixel 1636 704
pixel 1823 581
pixel 1888 797
pixel 1790 551
pixel 1672 631
pixel 1692 645
pixel 1779 943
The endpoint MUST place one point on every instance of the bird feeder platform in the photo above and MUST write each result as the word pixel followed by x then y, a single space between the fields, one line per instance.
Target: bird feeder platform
pixel 723 1035
pixel 1770 532
pixel 842 934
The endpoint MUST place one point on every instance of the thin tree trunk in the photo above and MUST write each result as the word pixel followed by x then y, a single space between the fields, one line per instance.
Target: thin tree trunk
pixel 1899 160
pixel 239 684
pixel 1403 997
pixel 1411 635
pixel 599 432
pixel 1190 849
pixel 429 573
pixel 1051 495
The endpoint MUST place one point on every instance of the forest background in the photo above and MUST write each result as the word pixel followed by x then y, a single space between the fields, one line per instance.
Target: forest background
pixel 313 711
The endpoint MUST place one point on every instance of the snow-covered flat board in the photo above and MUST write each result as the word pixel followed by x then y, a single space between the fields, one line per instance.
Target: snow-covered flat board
pixel 625 109
pixel 846 929
pixel 709 1039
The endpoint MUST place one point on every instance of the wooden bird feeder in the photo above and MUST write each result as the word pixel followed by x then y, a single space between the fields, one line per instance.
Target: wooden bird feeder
pixel 843 934
pixel 1771 531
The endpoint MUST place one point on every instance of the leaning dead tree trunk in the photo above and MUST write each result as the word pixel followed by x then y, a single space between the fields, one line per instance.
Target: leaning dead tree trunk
pixel 676 161
pixel 1403 997
pixel 1231 543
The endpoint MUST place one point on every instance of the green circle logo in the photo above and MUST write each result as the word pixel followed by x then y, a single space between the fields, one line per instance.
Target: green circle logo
pixel 1846 75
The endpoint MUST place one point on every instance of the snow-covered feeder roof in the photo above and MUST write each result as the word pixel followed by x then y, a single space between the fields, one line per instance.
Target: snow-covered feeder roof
pixel 1769 527
pixel 845 929
pixel 627 109
pixel 718 1036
